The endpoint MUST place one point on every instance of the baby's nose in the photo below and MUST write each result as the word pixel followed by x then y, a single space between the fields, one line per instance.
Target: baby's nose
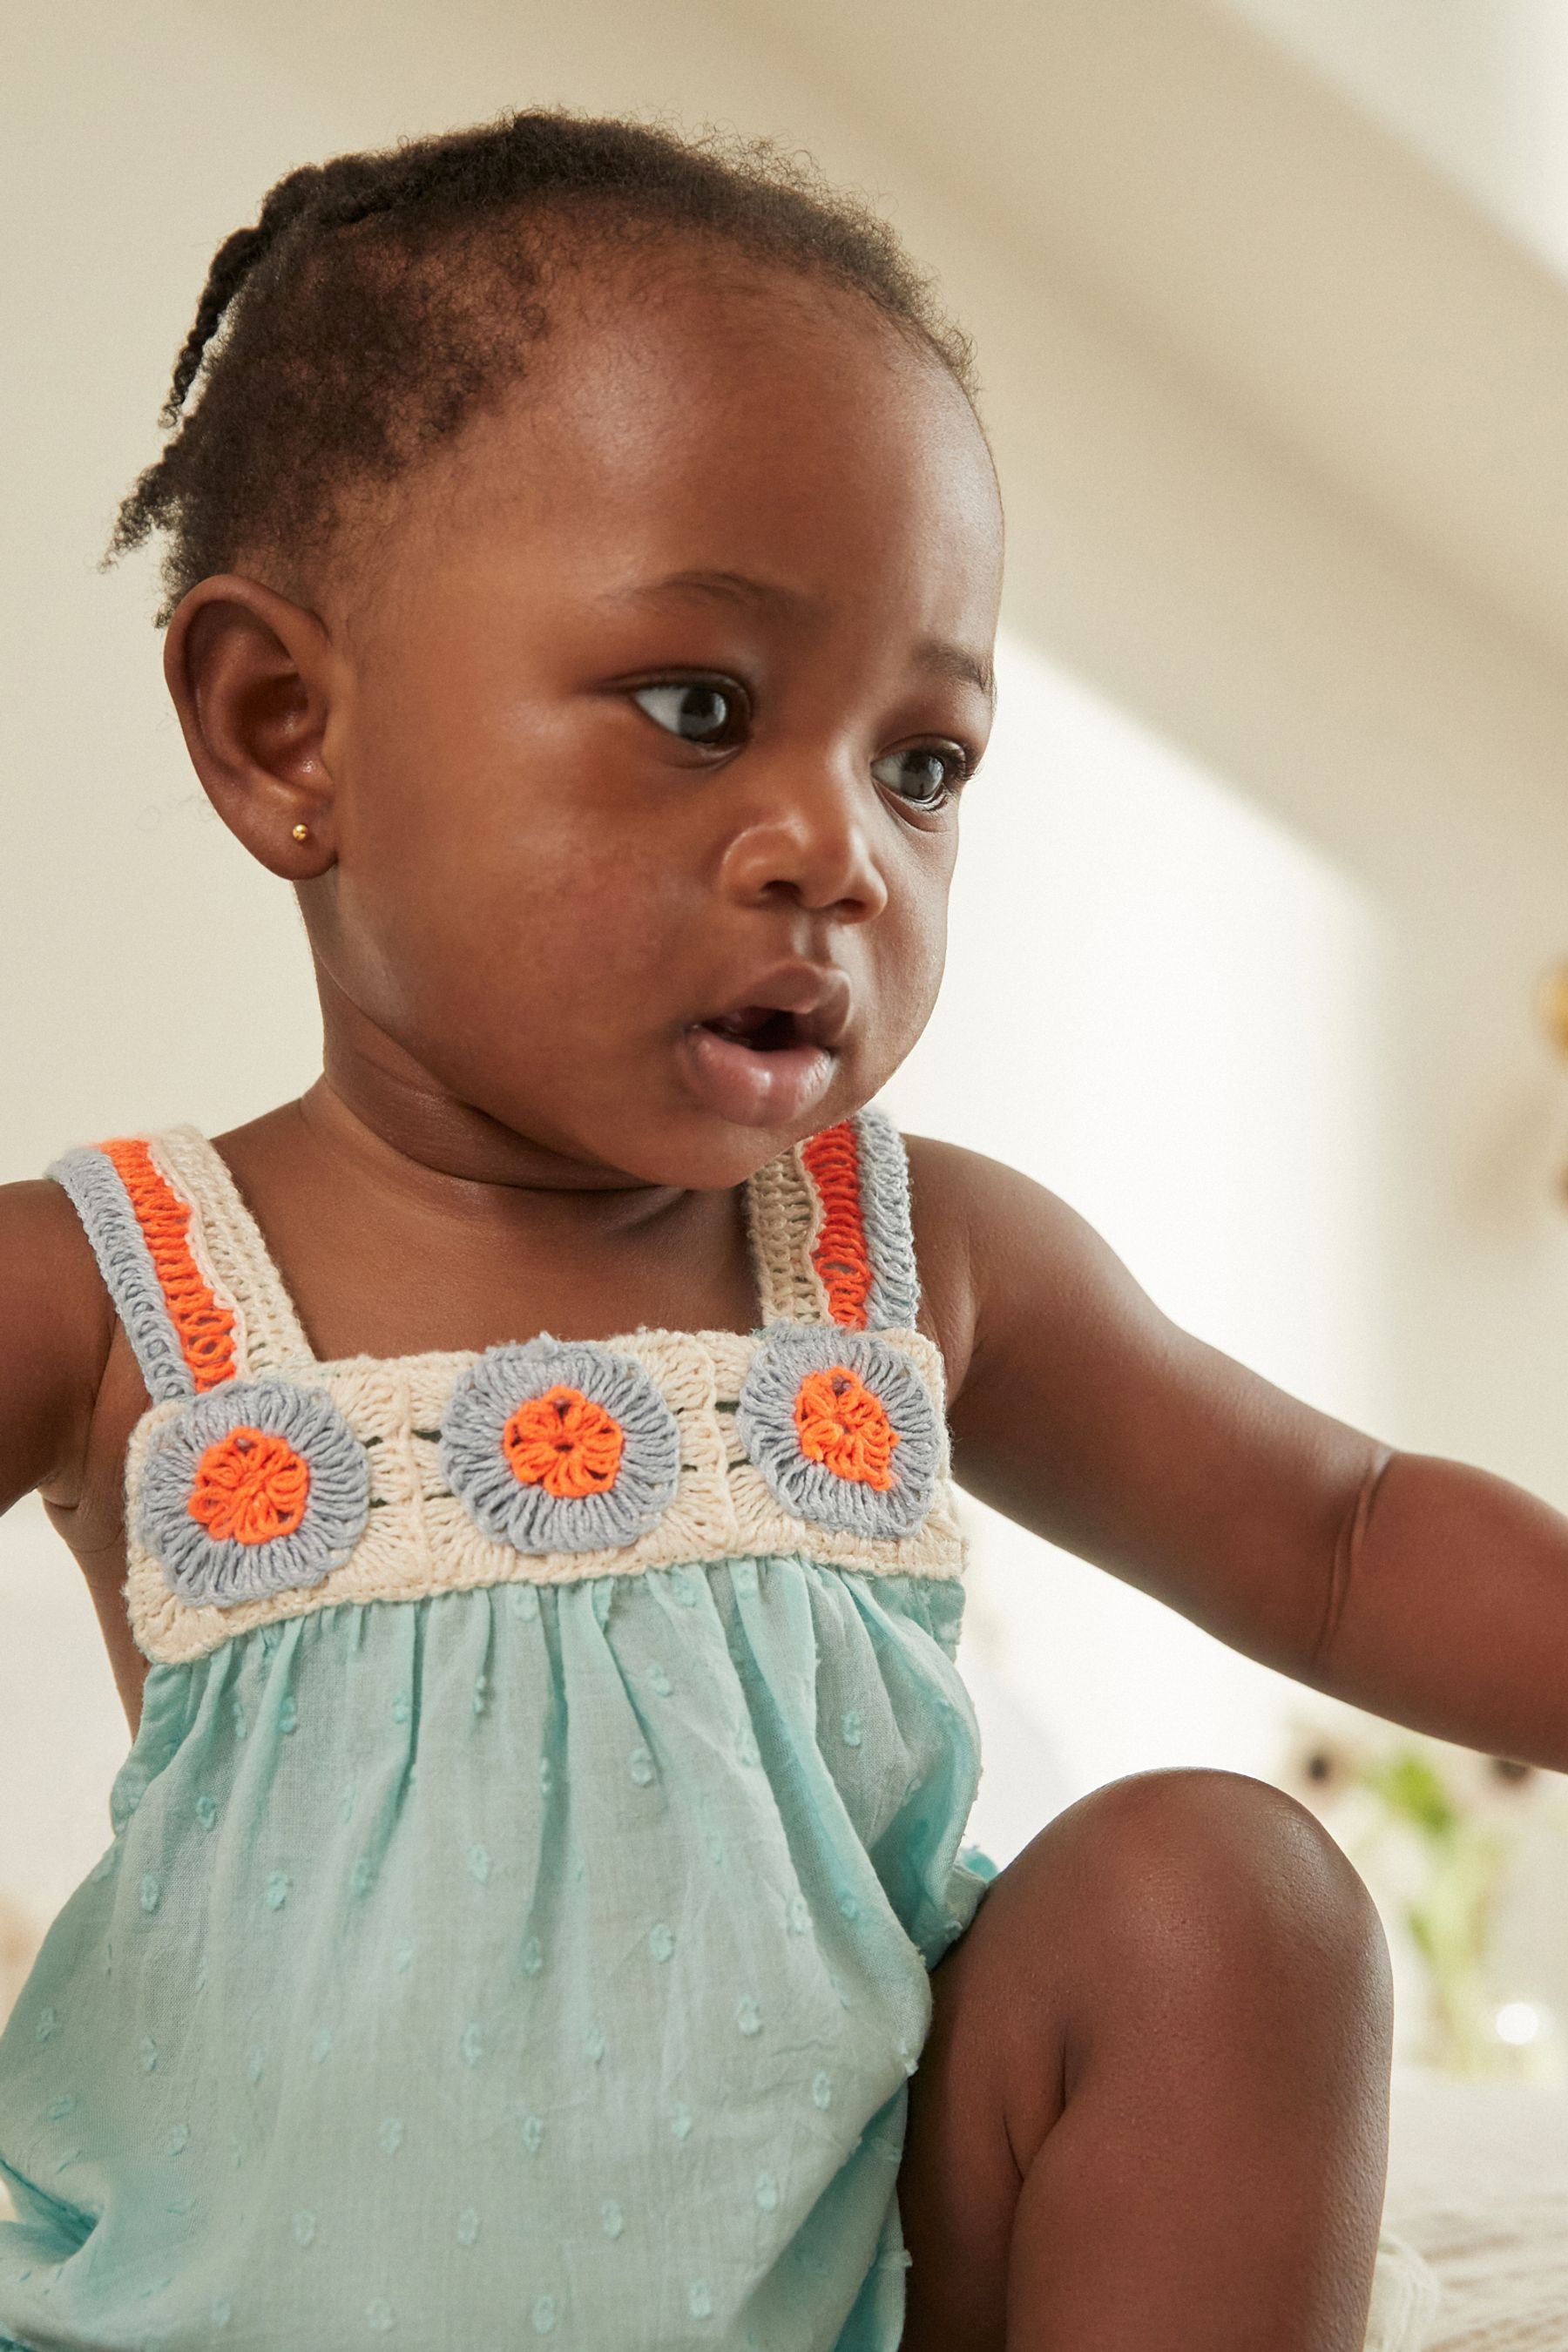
pixel 810 837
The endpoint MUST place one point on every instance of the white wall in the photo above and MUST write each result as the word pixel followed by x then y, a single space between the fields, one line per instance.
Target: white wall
pixel 1479 86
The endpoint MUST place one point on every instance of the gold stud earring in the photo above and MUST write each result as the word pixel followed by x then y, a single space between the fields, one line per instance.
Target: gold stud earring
pixel 301 833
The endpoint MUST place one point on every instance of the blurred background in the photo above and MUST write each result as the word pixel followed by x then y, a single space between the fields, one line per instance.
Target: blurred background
pixel 1260 886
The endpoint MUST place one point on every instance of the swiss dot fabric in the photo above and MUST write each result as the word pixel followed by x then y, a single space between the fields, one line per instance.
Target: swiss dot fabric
pixel 535 1963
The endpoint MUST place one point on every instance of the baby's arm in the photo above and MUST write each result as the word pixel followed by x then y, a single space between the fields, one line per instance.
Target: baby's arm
pixel 1418 1588
pixel 56 1328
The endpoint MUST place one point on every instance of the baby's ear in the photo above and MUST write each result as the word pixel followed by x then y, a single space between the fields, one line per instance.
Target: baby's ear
pixel 252 677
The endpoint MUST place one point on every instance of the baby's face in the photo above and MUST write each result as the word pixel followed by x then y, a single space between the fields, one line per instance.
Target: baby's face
pixel 647 747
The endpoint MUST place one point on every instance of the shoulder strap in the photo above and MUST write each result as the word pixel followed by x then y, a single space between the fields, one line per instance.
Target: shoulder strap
pixel 229 1243
pixel 186 1329
pixel 831 1235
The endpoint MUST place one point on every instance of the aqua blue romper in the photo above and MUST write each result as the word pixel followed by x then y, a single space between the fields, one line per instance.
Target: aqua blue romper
pixel 545 1815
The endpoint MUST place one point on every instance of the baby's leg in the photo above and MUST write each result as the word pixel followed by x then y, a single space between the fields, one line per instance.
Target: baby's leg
pixel 1152 2114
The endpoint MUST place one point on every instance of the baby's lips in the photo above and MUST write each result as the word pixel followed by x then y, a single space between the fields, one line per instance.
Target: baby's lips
pixel 749 1088
pixel 817 996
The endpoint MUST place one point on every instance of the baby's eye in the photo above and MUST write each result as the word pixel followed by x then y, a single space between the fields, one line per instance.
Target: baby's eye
pixel 926 776
pixel 699 711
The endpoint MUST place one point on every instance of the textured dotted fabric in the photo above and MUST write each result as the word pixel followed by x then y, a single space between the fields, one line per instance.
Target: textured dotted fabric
pixel 532 1961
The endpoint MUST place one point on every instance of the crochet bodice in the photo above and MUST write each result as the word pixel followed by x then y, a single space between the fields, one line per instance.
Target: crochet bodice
pixel 262 1483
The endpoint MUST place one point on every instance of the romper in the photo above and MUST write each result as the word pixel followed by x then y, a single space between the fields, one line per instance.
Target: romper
pixel 546 1809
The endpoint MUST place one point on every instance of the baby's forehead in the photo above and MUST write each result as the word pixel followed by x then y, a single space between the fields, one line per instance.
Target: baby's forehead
pixel 656 368
pixel 706 431
pixel 752 397
pixel 745 355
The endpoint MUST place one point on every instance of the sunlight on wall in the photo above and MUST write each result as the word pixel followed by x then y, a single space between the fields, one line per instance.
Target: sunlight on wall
pixel 1163 1007
pixel 1482 92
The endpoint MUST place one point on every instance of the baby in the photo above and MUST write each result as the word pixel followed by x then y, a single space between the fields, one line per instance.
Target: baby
pixel 520 1468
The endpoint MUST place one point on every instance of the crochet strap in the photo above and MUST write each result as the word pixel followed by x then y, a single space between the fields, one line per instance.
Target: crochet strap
pixel 232 1243
pixel 830 1229
pixel 185 1327
pixel 184 1261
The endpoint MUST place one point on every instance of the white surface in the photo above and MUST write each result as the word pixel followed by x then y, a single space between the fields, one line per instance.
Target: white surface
pixel 1479 2184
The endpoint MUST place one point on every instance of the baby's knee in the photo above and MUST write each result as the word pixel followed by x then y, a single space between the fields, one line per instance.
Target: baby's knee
pixel 1209 1876
pixel 1213 1883
pixel 1191 1925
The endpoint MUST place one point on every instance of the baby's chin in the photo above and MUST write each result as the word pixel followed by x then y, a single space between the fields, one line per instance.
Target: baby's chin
pixel 691 1107
pixel 707 1132
pixel 694 1152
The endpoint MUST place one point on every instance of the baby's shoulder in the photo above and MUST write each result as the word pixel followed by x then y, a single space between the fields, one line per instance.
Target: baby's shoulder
pixel 57 1329
pixel 970 1213
pixel 1005 1262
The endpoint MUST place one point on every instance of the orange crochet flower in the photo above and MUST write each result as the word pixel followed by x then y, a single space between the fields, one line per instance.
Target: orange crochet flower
pixel 843 1425
pixel 563 1442
pixel 250 1485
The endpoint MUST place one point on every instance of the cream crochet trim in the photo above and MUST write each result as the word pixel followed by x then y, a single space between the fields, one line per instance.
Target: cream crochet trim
pixel 420 1540
pixel 227 1243
pixel 785 1218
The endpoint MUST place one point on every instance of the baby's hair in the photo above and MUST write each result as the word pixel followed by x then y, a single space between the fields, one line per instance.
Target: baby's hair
pixel 381 300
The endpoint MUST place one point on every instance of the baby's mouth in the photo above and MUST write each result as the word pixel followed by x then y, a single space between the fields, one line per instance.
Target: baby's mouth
pixel 762 1027
pixel 763 1065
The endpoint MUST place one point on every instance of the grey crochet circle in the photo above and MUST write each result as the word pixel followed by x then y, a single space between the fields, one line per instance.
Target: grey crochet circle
pixel 810 1489
pixel 204 1566
pixel 509 1509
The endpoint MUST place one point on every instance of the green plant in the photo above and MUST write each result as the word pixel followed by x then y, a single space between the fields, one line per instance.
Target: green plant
pixel 1433 1830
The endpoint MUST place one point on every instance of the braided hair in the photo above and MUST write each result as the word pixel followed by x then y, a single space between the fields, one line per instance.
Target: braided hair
pixel 380 300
